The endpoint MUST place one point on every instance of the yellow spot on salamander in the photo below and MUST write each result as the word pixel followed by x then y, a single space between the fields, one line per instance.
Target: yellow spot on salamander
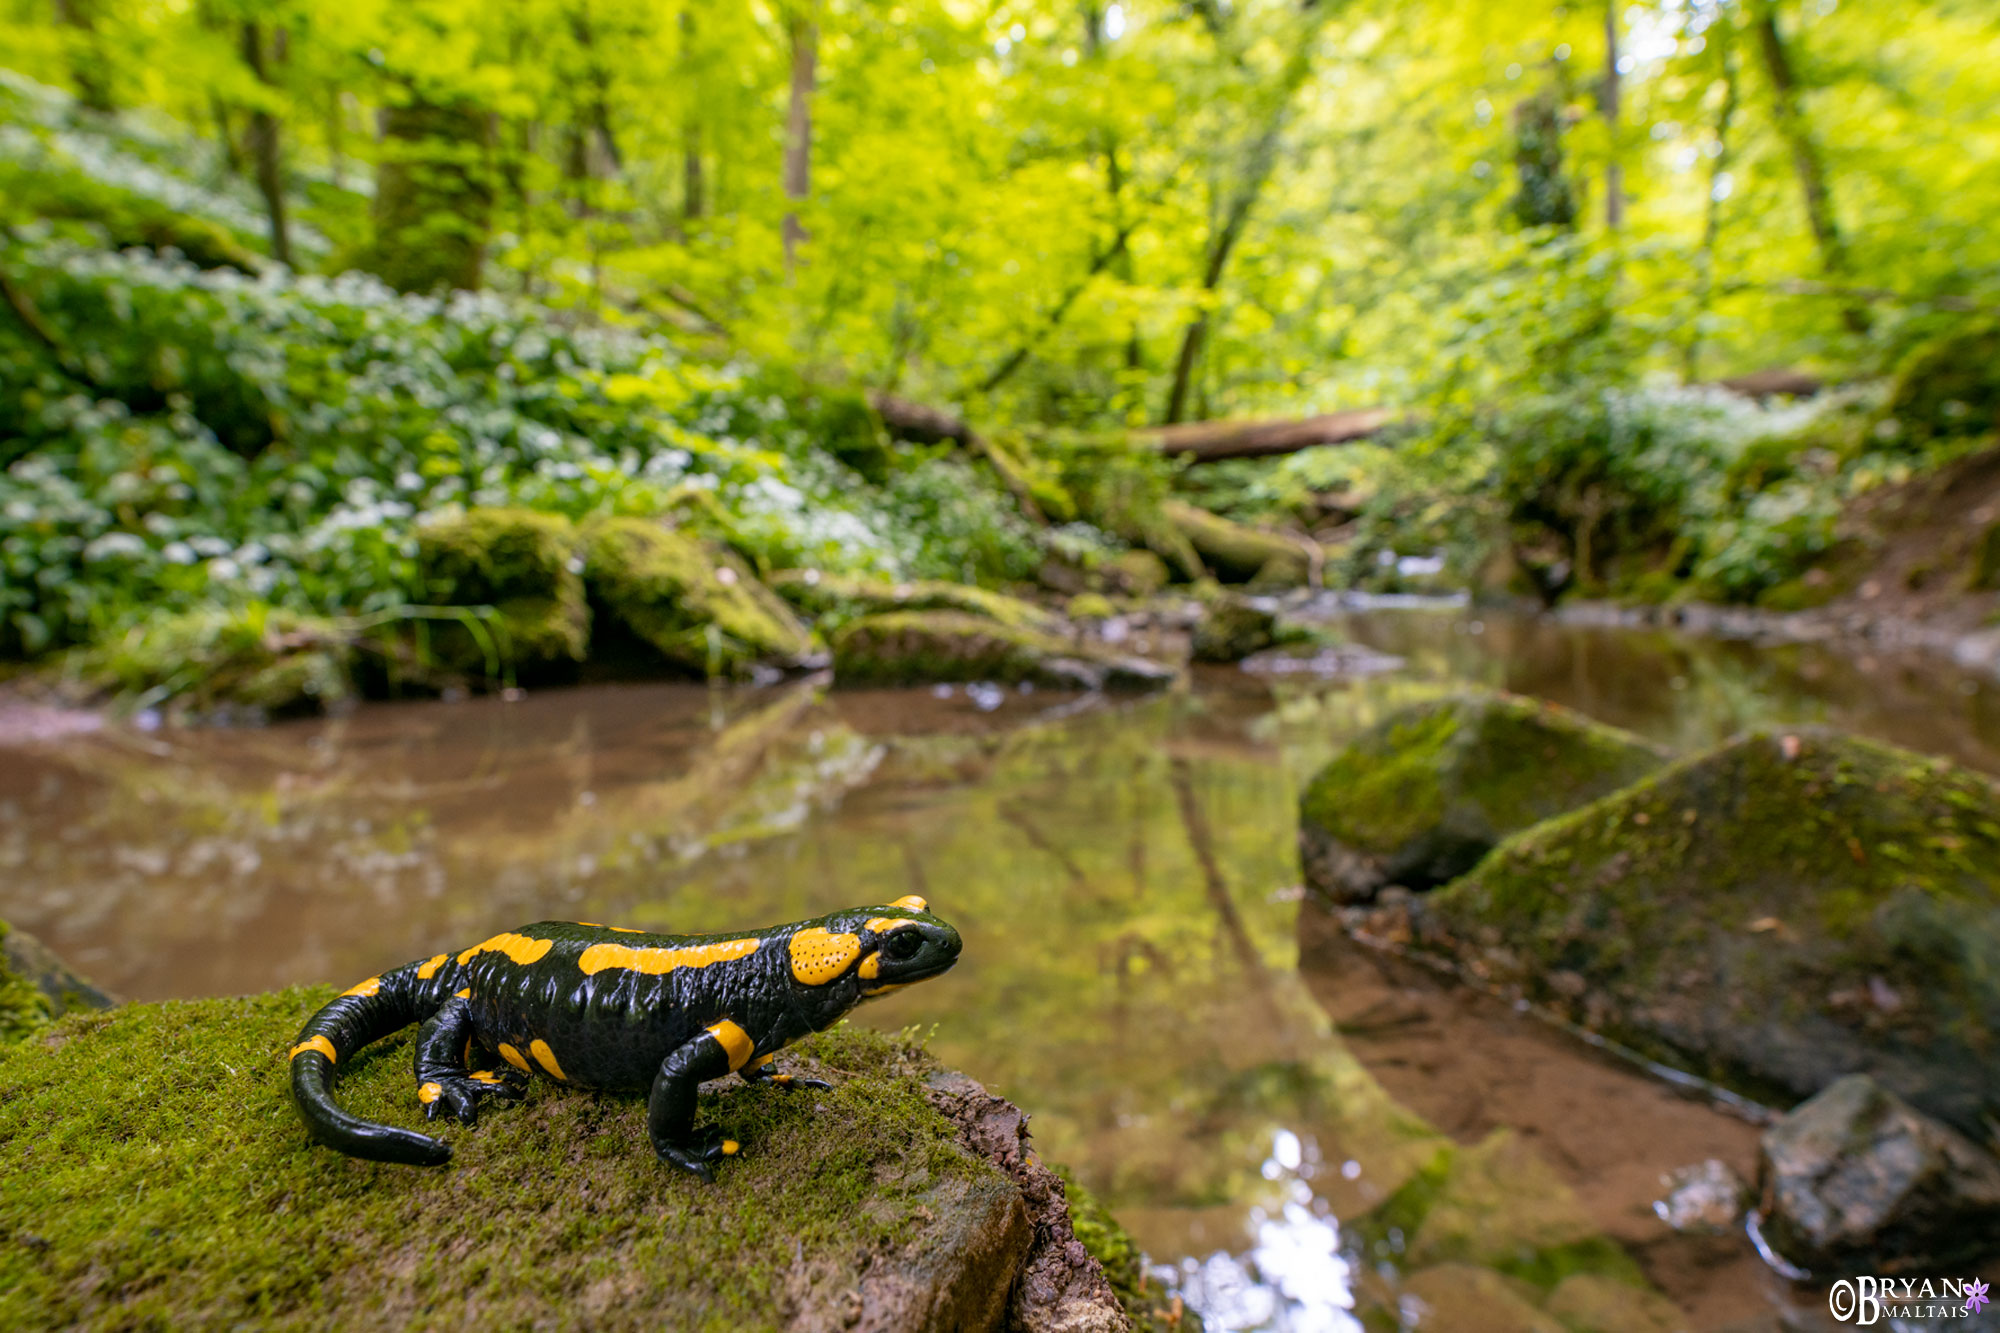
pixel 429 1093
pixel 763 1060
pixel 594 925
pixel 513 1057
pixel 819 955
pixel 517 947
pixel 912 902
pixel 465 994
pixel 658 962
pixel 368 987
pixel 735 1043
pixel 871 967
pixel 629 930
pixel 320 1044
pixel 429 968
pixel 486 1076
pixel 884 990
pixel 882 925
pixel 730 1147
pixel 546 1058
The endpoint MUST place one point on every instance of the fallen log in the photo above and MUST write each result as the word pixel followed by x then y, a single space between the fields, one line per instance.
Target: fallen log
pixel 1240 554
pixel 1212 441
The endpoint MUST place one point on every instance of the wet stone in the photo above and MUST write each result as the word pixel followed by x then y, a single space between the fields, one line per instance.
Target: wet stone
pixel 1858 1180
pixel 1705 1199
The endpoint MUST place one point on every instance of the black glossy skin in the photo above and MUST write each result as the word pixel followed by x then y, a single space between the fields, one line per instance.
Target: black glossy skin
pixel 615 1028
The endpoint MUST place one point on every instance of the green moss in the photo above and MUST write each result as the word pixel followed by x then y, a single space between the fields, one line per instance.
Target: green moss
pixel 1485 764
pixel 1090 606
pixel 911 647
pixel 698 605
pixel 1144 1302
pixel 1239 553
pixel 156 1175
pixel 1138 573
pixel 836 600
pixel 273 661
pixel 24 1010
pixel 1732 914
pixel 1948 386
pixel 1231 629
pixel 520 563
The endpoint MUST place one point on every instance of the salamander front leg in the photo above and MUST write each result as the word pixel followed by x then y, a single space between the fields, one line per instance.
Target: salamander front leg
pixel 762 1071
pixel 719 1050
pixel 445 1083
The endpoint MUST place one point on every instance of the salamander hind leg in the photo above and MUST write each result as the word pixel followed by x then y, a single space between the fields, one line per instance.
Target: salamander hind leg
pixel 446 1083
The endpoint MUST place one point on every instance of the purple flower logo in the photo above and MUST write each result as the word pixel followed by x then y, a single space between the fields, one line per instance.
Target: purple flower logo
pixel 1976 1298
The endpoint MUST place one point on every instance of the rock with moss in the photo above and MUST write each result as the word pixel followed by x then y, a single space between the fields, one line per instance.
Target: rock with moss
pixel 915 647
pixel 695 604
pixel 37 987
pixel 1858 1180
pixel 835 600
pixel 1232 627
pixel 859 1207
pixel 1948 386
pixel 1418 799
pixel 1773 914
pixel 1150 1307
pixel 258 661
pixel 523 569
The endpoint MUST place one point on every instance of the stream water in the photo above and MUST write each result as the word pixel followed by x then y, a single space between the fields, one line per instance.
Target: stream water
pixel 1139 973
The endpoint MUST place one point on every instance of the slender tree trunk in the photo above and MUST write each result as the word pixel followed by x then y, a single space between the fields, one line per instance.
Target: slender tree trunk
pixel 264 150
pixel 1807 160
pixel 693 193
pixel 86 63
pixel 798 128
pixel 336 138
pixel 1711 228
pixel 1614 176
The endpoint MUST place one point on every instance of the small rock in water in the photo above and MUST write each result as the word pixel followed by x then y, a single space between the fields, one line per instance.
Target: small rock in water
pixel 1704 1199
pixel 1861 1181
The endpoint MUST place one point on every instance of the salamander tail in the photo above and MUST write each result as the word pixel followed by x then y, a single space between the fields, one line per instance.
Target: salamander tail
pixel 367 1012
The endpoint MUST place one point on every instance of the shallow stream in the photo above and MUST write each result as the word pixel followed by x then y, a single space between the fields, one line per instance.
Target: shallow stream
pixel 1139 974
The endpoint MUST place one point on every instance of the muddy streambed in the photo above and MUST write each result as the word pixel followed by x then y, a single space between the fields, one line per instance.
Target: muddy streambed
pixel 1212 1058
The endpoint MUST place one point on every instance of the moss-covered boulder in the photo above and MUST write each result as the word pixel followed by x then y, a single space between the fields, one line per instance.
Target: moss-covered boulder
pixel 837 600
pixel 698 605
pixel 914 647
pixel 1232 627
pixel 1772 914
pixel 1419 798
pixel 36 987
pixel 154 1174
pixel 256 660
pixel 524 569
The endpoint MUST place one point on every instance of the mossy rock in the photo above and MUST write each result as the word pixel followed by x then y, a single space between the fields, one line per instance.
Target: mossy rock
pixel 1948 386
pixel 259 659
pixel 1772 914
pixel 1420 797
pixel 1137 573
pixel 1232 627
pixel 697 604
pixel 154 1174
pixel 914 647
pixel 1148 1305
pixel 837 600
pixel 36 987
pixel 522 564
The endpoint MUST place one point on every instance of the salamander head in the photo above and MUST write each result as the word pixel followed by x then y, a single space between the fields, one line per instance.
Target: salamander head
pixel 846 957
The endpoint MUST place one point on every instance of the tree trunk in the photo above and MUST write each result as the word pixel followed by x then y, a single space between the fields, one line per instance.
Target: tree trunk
pixel 693 194
pixel 798 128
pixel 1614 178
pixel 1213 441
pixel 1711 228
pixel 1807 161
pixel 86 54
pixel 264 150
pixel 1543 197
pixel 433 196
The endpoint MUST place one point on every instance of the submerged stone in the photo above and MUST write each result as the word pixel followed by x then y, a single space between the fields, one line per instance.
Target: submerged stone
pixel 914 647
pixel 1861 1181
pixel 698 605
pixel 1418 799
pixel 520 566
pixel 160 1177
pixel 1772 914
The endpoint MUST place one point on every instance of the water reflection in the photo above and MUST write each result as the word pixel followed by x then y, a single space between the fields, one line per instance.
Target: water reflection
pixel 1123 872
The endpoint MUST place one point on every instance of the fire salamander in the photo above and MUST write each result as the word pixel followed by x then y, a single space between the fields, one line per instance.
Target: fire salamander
pixel 602 1007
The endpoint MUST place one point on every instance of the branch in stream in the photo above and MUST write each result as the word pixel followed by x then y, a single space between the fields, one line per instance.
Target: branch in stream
pixel 1196 824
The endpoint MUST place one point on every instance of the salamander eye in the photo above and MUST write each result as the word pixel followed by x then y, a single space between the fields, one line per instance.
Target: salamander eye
pixel 903 945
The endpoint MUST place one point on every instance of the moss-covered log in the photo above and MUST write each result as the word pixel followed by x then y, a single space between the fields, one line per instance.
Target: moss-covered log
pixel 1240 554
pixel 830 596
pixel 1419 798
pixel 153 1173
pixel 1773 914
